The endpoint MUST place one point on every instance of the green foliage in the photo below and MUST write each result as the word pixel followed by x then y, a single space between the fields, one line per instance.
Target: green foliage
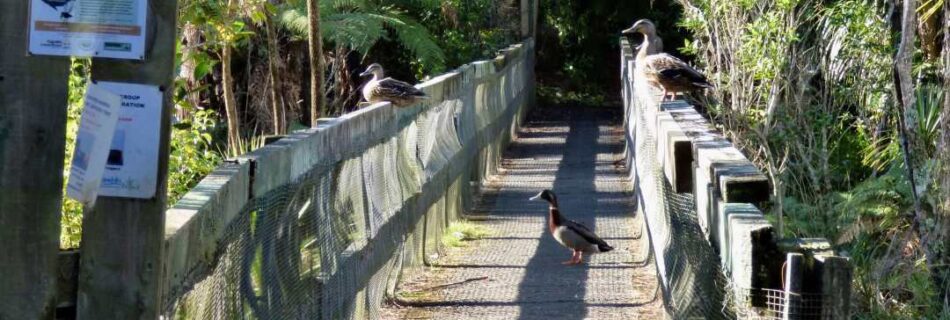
pixel 553 96
pixel 360 24
pixel 460 232
pixel 807 89
pixel 71 219
pixel 220 20
pixel 465 30
pixel 578 41
pixel 192 155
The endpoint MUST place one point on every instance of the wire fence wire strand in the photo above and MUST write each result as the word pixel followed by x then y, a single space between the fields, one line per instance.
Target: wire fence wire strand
pixel 333 242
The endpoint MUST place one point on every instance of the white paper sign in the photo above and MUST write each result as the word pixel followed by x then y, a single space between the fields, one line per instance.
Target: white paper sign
pixel 132 166
pixel 99 117
pixel 88 28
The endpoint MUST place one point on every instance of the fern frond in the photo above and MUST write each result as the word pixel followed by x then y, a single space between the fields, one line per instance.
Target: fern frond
pixel 358 25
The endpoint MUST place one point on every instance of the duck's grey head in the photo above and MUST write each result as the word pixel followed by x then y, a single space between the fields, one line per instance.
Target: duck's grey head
pixel 373 70
pixel 546 195
pixel 644 26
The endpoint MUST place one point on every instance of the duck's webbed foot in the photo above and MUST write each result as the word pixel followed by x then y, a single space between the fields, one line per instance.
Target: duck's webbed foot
pixel 574 258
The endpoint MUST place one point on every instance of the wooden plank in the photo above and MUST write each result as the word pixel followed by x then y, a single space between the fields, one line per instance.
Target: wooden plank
pixel 33 92
pixel 122 241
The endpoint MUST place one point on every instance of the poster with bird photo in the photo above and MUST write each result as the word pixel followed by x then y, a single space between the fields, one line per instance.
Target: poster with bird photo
pixel 88 28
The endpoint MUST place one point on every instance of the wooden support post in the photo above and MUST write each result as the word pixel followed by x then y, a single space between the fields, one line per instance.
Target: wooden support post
pixel 33 92
pixel 122 241
pixel 794 271
pixel 835 286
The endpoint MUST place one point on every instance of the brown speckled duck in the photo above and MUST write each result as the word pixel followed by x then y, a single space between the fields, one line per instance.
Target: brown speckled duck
pixel 380 89
pixel 573 235
pixel 663 70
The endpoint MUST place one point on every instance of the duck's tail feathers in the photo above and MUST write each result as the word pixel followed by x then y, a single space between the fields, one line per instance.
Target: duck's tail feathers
pixel 703 84
pixel 604 247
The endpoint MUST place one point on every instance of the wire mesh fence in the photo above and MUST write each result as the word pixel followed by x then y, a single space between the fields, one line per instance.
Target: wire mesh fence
pixel 694 280
pixel 332 243
pixel 686 264
pixel 781 305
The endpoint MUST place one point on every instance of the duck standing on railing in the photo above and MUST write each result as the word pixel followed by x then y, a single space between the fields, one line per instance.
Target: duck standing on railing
pixel 663 70
pixel 573 235
pixel 381 89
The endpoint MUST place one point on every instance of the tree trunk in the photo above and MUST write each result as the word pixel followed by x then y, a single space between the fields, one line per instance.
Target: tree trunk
pixel 904 85
pixel 944 142
pixel 273 54
pixel 316 61
pixel 942 232
pixel 230 102
pixel 191 37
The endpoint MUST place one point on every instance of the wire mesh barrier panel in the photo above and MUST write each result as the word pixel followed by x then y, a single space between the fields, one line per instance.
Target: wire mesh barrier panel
pixel 686 264
pixel 716 255
pixel 320 224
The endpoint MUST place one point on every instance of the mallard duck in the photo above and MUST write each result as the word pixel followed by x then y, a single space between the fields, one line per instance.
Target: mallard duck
pixel 663 70
pixel 573 235
pixel 656 43
pixel 380 89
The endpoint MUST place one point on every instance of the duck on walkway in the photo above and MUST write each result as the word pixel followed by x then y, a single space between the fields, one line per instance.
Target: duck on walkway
pixel 380 89
pixel 573 235
pixel 661 69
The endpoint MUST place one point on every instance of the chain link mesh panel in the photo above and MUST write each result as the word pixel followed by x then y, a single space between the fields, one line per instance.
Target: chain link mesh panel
pixel 332 242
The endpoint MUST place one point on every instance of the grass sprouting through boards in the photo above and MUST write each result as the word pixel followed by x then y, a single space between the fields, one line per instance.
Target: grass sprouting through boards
pixel 460 232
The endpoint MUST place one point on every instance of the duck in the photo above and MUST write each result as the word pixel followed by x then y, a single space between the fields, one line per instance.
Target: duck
pixel 663 70
pixel 570 234
pixel 656 43
pixel 380 88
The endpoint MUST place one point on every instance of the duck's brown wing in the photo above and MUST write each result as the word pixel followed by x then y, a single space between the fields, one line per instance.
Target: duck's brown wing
pixel 392 88
pixel 676 74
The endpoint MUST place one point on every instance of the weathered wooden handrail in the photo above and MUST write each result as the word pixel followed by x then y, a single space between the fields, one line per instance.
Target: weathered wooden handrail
pixel 196 225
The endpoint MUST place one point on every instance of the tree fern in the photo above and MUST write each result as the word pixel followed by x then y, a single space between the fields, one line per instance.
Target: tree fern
pixel 360 24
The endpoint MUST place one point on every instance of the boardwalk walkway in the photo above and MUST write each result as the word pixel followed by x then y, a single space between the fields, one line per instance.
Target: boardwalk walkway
pixel 516 273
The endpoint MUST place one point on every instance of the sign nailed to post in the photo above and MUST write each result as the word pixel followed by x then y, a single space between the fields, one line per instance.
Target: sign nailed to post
pixel 132 165
pixel 88 28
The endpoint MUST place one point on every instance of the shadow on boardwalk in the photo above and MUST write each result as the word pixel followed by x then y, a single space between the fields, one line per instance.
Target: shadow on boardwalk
pixel 516 272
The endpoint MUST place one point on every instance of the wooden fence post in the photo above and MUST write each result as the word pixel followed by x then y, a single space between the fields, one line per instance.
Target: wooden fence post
pixel 529 18
pixel 122 241
pixel 33 97
pixel 794 273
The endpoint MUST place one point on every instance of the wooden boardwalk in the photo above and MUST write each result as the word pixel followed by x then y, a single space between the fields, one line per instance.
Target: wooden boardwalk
pixel 515 273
